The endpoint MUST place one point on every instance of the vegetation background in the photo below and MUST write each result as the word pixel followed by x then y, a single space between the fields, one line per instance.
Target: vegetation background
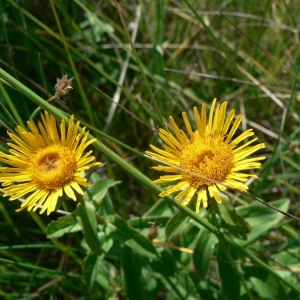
pixel 244 52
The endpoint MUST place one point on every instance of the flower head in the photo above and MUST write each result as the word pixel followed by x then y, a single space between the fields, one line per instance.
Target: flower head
pixel 46 164
pixel 63 86
pixel 207 160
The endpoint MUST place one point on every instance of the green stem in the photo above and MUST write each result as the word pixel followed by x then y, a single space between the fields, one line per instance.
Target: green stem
pixel 11 105
pixel 76 75
pixel 142 178
pixel 39 109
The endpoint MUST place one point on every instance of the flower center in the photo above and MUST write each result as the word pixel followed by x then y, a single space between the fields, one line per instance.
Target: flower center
pixel 49 163
pixel 52 167
pixel 208 156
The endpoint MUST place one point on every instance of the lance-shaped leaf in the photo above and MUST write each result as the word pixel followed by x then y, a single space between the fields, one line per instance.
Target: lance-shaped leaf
pixel 203 251
pixel 87 219
pixel 175 224
pixel 233 220
pixel 120 230
pixel 62 225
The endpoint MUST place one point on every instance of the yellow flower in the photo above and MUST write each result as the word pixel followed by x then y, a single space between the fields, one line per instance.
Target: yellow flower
pixel 46 164
pixel 210 152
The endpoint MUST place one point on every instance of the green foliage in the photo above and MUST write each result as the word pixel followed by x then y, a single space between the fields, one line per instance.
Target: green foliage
pixel 203 252
pixel 233 220
pixel 86 215
pixel 66 224
pixel 229 273
pixel 175 224
pixel 185 53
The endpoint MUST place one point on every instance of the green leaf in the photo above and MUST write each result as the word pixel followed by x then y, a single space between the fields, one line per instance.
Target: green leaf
pixel 90 268
pixel 266 291
pixel 106 243
pixel 63 225
pixel 203 251
pixel 257 213
pixel 106 273
pixel 188 286
pixel 159 208
pixel 265 284
pixel 119 229
pixel 234 221
pixel 107 207
pixel 98 190
pixel 228 275
pixel 132 264
pixel 262 218
pixel 178 284
pixel 143 222
pixel 165 265
pixel 290 257
pixel 87 219
pixel 175 224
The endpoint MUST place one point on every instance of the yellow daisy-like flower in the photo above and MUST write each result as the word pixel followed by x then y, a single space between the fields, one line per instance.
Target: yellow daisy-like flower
pixel 209 151
pixel 46 164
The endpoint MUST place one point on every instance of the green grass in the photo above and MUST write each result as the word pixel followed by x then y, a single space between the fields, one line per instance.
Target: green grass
pixel 185 53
